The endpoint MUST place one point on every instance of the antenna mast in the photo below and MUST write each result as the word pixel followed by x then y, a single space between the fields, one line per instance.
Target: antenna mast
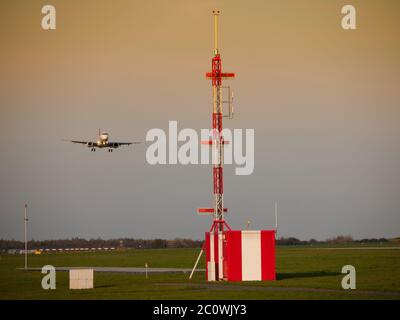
pixel 231 255
pixel 217 144
pixel 216 76
pixel 26 237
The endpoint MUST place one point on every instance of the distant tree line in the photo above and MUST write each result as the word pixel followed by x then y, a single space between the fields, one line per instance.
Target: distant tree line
pixel 101 243
pixel 342 239
pixel 159 243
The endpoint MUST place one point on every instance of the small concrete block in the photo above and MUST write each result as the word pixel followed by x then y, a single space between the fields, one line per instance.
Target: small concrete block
pixel 81 279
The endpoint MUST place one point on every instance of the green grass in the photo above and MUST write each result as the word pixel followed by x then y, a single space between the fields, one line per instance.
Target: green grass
pixel 301 268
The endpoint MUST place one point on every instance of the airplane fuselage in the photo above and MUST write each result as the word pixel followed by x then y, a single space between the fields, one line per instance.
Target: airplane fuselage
pixel 102 141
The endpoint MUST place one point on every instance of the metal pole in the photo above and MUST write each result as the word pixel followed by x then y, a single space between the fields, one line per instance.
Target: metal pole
pixel 276 220
pixel 248 224
pixel 216 14
pixel 26 237
pixel 195 265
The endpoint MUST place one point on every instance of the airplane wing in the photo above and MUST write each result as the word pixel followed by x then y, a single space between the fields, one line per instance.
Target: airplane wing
pixel 118 144
pixel 90 143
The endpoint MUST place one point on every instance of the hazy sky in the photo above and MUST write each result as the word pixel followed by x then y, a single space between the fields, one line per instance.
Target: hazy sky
pixel 324 103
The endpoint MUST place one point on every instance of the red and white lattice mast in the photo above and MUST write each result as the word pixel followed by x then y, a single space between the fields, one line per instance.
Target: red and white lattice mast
pixel 216 75
pixel 217 143
pixel 231 255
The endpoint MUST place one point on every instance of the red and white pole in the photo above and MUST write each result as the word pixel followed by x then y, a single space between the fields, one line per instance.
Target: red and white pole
pixel 216 75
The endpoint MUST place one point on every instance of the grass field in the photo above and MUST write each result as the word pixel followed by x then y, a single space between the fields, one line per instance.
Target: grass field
pixel 302 272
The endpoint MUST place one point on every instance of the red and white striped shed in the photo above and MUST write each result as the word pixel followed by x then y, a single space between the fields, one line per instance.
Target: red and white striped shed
pixel 247 255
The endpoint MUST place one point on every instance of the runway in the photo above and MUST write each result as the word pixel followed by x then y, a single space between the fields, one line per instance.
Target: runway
pixel 125 270
pixel 359 248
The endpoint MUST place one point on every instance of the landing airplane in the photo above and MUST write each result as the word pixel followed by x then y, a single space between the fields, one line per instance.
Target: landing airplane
pixel 102 142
